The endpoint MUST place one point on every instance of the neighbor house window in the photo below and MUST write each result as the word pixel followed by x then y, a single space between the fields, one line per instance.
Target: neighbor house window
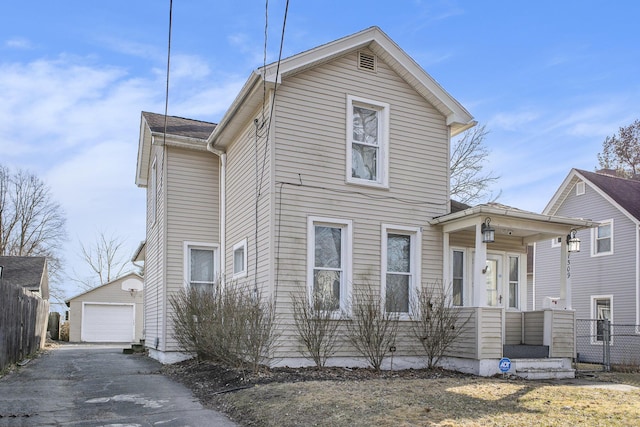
pixel 602 239
pixel 367 142
pixel 240 259
pixel 400 267
pixel 601 312
pixel 457 277
pixel 201 265
pixel 329 261
pixel 514 281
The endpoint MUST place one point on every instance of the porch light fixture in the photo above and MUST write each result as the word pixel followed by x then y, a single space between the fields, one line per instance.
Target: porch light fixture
pixel 573 242
pixel 488 233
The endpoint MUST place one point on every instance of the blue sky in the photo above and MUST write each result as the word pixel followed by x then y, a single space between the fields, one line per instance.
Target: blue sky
pixel 549 79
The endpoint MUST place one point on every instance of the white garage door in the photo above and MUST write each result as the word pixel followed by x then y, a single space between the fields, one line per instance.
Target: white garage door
pixel 107 323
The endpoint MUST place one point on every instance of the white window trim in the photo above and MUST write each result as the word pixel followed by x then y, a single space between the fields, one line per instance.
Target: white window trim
pixel 186 268
pixel 154 190
pixel 243 273
pixel 383 135
pixel 594 234
pixel 594 316
pixel 415 264
pixel 347 280
pixel 465 282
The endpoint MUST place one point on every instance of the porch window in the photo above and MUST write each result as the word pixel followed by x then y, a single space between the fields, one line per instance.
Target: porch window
pixel 201 266
pixel 602 239
pixel 458 278
pixel 367 142
pixel 601 307
pixel 329 255
pixel 514 281
pixel 400 265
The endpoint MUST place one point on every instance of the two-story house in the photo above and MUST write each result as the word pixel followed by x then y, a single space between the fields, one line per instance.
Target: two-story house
pixel 607 267
pixel 325 164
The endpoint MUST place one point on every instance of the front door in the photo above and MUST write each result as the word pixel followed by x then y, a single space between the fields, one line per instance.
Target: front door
pixel 493 279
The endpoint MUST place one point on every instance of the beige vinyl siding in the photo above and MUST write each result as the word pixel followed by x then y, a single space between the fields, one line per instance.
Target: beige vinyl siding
pixel 310 135
pixel 193 206
pixel 562 333
pixel 534 328
pixel 467 343
pixel 310 144
pixel 513 328
pixel 155 268
pixel 248 165
pixel 490 333
pixel 108 293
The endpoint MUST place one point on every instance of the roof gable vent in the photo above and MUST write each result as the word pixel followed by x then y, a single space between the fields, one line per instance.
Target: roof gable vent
pixel 366 61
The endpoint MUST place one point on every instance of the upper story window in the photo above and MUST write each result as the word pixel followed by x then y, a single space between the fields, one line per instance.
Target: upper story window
pixel 329 261
pixel 400 267
pixel 602 239
pixel 240 259
pixel 201 266
pixel 367 142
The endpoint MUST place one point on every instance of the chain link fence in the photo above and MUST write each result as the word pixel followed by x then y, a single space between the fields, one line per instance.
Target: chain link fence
pixel 601 344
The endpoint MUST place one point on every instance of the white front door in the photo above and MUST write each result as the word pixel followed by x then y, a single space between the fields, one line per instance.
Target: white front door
pixel 494 286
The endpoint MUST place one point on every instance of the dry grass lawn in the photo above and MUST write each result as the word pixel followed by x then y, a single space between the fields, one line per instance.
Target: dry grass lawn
pixel 466 401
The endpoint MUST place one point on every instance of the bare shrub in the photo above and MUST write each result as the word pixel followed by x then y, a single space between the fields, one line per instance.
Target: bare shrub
pixel 372 330
pixel 437 323
pixel 235 327
pixel 316 325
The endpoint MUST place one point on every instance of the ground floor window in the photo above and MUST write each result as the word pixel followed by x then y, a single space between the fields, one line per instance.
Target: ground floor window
pixel 601 312
pixel 329 261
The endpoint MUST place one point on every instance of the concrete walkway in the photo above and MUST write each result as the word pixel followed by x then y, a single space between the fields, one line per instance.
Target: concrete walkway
pixel 97 385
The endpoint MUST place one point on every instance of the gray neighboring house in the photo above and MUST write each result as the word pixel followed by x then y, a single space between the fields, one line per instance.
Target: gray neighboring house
pixel 28 272
pixel 607 267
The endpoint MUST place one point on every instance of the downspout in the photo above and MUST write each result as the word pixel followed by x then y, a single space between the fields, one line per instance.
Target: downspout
pixel 223 208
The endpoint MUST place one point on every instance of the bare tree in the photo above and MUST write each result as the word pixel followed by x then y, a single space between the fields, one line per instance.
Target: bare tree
pixel 469 183
pixel 31 222
pixel 622 151
pixel 105 258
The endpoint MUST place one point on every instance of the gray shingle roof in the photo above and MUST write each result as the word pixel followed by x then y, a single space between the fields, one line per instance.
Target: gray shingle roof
pixel 179 126
pixel 625 192
pixel 23 271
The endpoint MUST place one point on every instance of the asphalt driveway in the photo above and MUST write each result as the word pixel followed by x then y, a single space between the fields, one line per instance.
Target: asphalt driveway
pixel 97 385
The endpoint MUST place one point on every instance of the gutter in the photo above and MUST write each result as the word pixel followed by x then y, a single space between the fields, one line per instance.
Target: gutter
pixel 223 207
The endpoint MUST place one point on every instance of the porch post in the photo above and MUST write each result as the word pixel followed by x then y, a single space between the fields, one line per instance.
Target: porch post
pixel 565 276
pixel 479 263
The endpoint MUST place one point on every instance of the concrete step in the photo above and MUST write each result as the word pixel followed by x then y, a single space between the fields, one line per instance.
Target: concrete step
pixel 543 369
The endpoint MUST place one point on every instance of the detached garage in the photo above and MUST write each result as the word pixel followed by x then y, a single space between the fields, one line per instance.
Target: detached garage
pixel 112 312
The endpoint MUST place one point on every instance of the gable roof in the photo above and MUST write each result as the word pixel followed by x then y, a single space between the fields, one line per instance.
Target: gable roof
pixel 133 275
pixel 621 192
pixel 250 96
pixel 27 272
pixel 181 132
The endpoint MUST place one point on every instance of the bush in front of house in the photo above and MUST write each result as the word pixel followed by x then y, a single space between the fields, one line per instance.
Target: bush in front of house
pixel 233 326
pixel 317 325
pixel 372 329
pixel 436 322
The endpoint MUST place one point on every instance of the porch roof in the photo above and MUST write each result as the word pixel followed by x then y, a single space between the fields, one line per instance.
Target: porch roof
pixel 510 221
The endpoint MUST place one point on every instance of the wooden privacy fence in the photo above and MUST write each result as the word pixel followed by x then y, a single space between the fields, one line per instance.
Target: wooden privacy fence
pixel 23 324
